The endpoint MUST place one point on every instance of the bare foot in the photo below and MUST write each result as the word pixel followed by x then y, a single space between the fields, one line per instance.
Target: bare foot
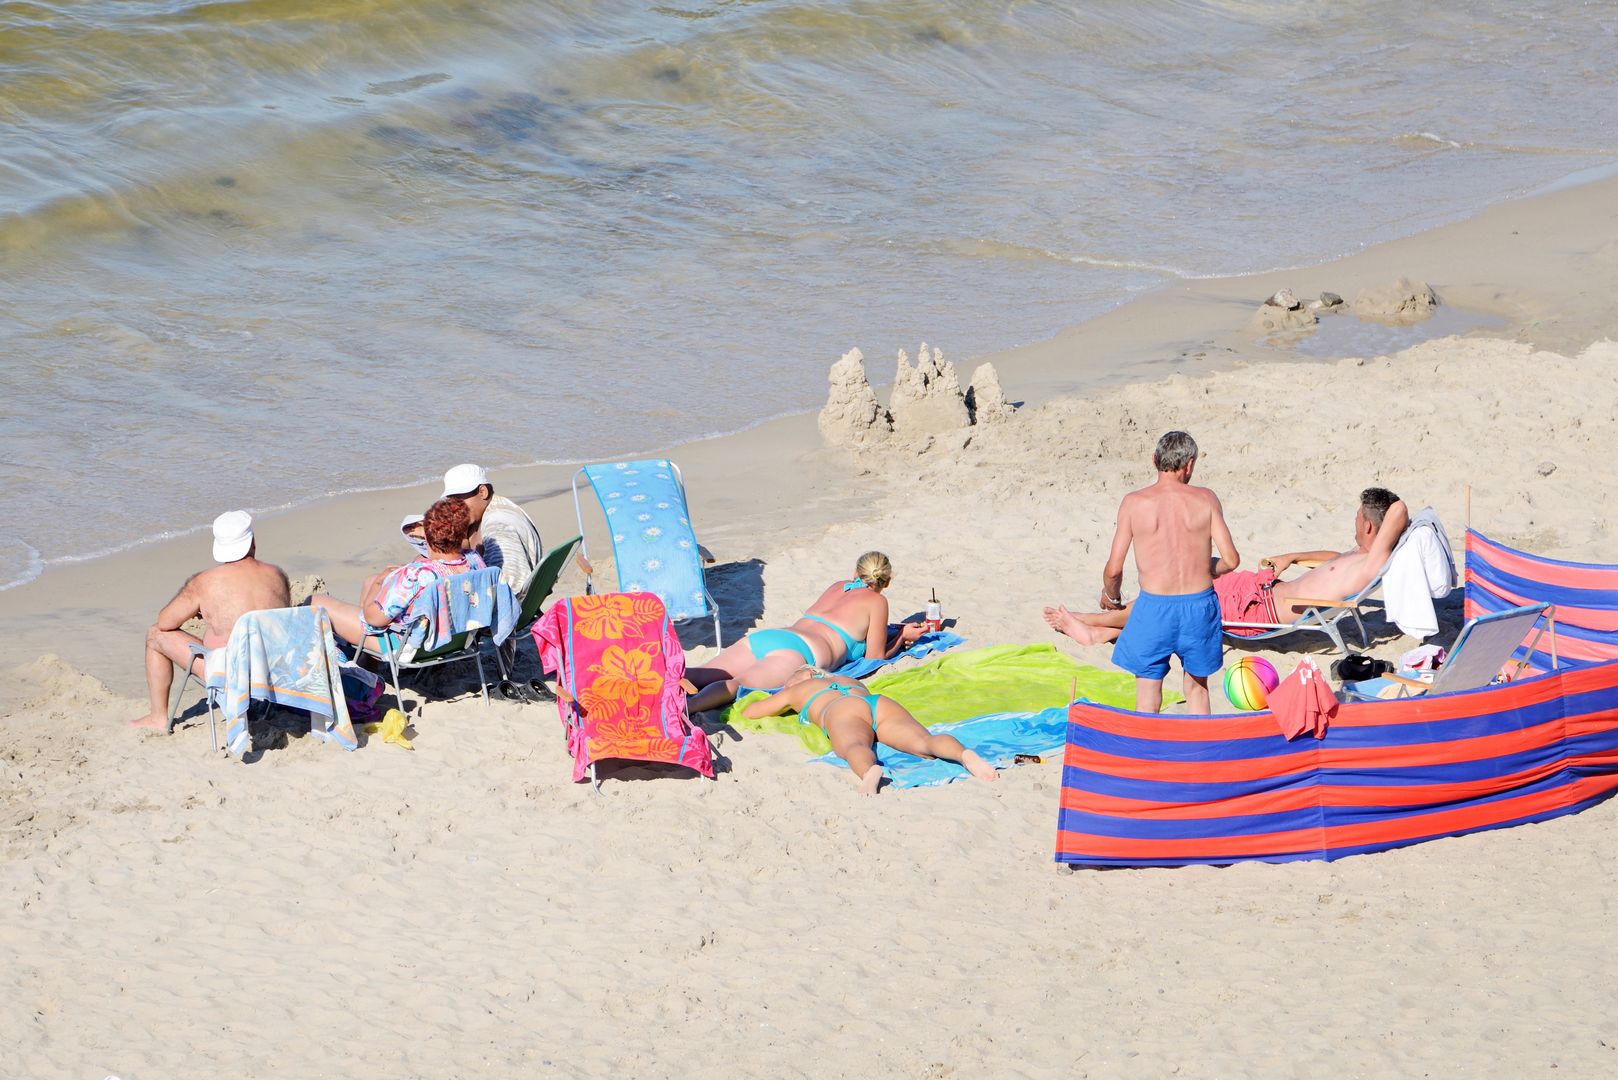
pixel 871 780
pixel 978 767
pixel 1064 621
pixel 150 720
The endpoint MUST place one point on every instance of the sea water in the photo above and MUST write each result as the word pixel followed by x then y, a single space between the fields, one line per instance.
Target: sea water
pixel 256 251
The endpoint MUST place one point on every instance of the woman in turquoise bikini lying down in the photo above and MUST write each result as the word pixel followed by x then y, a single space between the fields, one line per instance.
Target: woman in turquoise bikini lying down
pixel 848 622
pixel 855 720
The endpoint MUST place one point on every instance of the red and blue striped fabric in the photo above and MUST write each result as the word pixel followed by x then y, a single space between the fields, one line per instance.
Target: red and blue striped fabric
pixel 1585 595
pixel 1142 790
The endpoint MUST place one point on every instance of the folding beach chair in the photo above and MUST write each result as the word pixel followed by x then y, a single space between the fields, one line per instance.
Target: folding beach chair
pixel 540 587
pixel 653 545
pixel 619 672
pixel 466 642
pixel 1483 648
pixel 277 656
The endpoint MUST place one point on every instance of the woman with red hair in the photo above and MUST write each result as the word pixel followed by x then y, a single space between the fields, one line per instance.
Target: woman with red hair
pixel 384 611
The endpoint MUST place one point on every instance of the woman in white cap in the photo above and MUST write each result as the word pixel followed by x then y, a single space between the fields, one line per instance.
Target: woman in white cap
pixel 384 610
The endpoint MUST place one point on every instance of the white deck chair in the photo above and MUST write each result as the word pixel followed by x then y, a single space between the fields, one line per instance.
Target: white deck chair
pixel 1483 647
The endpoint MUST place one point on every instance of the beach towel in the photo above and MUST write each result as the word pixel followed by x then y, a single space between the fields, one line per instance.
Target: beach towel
pixel 652 540
pixel 937 641
pixel 416 601
pixel 998 690
pixel 480 599
pixel 1420 570
pixel 288 656
pixel 1303 702
pixel 618 665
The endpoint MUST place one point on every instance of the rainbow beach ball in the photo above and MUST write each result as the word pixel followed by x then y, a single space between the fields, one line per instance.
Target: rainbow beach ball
pixel 1248 683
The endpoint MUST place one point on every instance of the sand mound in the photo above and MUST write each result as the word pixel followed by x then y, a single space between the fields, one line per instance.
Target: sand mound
pixel 1401 303
pixel 852 416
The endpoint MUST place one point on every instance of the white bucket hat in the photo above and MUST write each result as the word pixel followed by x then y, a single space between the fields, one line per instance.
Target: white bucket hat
pixel 232 535
pixel 463 479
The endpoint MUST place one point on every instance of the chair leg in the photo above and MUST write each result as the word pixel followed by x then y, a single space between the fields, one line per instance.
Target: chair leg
pixel 718 641
pixel 213 721
pixel 174 710
pixel 483 682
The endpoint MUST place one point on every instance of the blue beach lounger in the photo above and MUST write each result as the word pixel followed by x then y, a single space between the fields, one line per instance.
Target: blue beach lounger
pixel 653 545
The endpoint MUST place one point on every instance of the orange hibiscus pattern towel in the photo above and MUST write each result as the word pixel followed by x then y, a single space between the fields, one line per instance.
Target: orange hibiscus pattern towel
pixel 618 659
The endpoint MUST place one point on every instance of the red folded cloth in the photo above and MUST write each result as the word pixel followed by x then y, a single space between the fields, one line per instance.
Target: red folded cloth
pixel 1303 702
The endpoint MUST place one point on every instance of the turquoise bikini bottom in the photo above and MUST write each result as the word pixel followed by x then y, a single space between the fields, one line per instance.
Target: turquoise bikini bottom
pixel 764 642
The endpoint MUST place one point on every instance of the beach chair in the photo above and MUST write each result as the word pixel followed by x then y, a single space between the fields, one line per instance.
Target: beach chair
pixel 654 547
pixel 277 656
pixel 493 623
pixel 540 586
pixel 1482 649
pixel 619 668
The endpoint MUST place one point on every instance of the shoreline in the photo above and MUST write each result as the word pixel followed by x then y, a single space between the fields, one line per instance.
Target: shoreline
pixel 745 485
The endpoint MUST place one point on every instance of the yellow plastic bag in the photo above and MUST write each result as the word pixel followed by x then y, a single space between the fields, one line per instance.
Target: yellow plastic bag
pixel 391 728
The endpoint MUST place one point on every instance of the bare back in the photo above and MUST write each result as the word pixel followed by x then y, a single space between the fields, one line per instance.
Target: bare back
pixel 225 593
pixel 1171 526
pixel 856 610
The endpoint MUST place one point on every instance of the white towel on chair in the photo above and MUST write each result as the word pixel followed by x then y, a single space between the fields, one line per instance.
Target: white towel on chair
pixel 1421 570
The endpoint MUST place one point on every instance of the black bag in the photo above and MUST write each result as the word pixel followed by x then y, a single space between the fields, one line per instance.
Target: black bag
pixel 1354 667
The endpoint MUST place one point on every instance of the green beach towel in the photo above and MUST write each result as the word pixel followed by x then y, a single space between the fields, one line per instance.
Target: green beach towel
pixel 961 685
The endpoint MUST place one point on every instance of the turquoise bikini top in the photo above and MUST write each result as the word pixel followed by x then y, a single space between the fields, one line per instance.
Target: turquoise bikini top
pixel 856 649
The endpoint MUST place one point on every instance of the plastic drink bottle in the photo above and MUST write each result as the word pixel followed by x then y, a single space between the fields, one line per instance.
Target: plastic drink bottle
pixel 935 615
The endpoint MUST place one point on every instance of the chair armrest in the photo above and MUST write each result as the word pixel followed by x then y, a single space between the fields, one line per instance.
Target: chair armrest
pixel 1405 680
pixel 583 564
pixel 1310 563
pixel 705 555
pixel 1298 601
pixel 196 649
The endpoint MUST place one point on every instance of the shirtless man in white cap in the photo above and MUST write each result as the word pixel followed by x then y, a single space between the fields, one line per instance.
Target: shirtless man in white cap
pixel 239 584
pixel 503 534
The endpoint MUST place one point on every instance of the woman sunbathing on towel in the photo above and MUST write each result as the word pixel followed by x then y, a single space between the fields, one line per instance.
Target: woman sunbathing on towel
pixel 848 622
pixel 855 719
pixel 386 598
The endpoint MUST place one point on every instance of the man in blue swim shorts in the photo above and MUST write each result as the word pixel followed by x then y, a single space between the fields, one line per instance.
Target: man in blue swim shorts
pixel 1173 528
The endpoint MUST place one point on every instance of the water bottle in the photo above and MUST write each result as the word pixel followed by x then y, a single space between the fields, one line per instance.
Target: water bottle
pixel 935 615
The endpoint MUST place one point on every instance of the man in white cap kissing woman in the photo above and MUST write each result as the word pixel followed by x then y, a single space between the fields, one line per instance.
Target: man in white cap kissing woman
pixel 220 594
pixel 502 532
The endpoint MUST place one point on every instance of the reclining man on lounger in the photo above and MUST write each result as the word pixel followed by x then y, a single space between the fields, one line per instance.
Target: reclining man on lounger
pixel 221 595
pixel 1258 596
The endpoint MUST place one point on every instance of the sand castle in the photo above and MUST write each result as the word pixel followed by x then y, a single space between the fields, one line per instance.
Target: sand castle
pixel 927 402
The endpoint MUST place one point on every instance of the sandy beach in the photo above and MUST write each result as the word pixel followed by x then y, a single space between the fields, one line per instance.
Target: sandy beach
pixel 464 910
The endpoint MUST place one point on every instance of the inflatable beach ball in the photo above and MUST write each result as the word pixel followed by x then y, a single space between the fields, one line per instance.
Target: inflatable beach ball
pixel 1248 683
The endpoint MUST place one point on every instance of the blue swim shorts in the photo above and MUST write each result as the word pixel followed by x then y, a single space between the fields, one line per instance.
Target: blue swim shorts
pixel 1159 626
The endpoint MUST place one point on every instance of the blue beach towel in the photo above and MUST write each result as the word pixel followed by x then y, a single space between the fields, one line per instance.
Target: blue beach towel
pixel 997 737
pixel 922 646
pixel 653 543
